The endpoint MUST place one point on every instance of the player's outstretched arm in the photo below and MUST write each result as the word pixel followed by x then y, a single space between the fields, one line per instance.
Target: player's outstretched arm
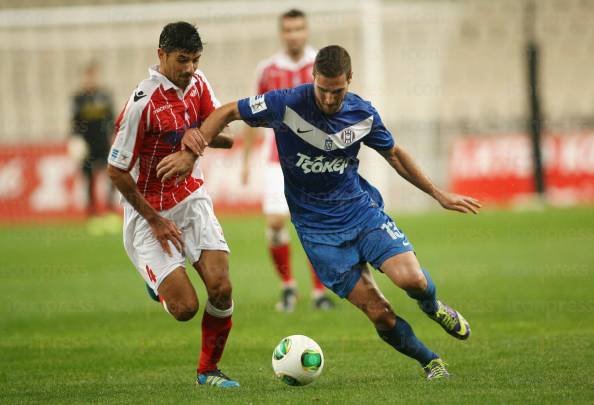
pixel 163 229
pixel 406 167
pixel 180 164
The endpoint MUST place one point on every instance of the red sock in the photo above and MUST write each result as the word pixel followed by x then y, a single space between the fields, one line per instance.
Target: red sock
pixel 214 336
pixel 280 256
pixel 315 280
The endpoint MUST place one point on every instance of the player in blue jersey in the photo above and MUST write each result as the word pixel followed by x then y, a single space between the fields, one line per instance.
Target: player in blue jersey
pixel 338 215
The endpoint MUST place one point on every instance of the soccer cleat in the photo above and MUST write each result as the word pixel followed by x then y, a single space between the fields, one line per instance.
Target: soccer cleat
pixel 288 300
pixel 216 378
pixel 151 293
pixel 451 321
pixel 323 303
pixel 436 369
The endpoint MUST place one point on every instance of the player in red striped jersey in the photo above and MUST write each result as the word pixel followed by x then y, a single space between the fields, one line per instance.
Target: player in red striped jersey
pixel 165 222
pixel 287 68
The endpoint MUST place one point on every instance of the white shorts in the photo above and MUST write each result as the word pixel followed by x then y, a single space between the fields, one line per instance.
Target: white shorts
pixel 274 201
pixel 200 229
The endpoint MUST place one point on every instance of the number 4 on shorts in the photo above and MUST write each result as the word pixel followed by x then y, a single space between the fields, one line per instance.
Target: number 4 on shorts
pixel 151 274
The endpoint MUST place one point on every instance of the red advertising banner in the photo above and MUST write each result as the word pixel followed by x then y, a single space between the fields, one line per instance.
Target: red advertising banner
pixel 37 181
pixel 498 168
pixel 43 182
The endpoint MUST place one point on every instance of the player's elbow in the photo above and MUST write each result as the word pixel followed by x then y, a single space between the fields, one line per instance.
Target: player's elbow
pixel 395 152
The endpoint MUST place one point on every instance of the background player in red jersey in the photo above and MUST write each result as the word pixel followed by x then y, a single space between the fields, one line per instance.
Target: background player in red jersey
pixel 289 67
pixel 165 222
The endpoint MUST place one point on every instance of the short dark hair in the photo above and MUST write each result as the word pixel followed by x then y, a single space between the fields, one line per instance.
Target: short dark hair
pixel 181 36
pixel 332 61
pixel 292 13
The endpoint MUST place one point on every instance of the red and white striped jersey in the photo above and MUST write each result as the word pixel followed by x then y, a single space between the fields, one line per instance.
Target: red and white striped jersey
pixel 151 127
pixel 281 72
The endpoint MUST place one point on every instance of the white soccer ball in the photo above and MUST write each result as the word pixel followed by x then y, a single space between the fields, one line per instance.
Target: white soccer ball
pixel 297 360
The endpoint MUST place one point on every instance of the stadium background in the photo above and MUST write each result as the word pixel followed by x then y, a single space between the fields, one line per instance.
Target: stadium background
pixel 435 70
pixel 448 77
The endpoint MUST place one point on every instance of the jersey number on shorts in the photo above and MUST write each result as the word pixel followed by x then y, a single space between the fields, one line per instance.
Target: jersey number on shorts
pixel 151 274
pixel 393 231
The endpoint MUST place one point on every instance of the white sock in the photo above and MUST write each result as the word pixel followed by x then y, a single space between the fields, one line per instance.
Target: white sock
pixel 219 313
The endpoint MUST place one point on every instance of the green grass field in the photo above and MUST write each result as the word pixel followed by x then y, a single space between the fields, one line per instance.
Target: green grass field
pixel 77 326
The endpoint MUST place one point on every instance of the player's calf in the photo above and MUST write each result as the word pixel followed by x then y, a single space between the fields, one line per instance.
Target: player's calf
pixel 380 314
pixel 405 271
pixel 392 329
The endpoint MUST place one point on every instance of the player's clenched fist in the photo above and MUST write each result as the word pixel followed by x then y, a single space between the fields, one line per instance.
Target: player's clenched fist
pixel 164 231
pixel 178 164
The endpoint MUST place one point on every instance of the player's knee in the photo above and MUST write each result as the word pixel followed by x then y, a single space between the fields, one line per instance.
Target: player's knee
pixel 183 310
pixel 277 234
pixel 418 281
pixel 413 279
pixel 276 223
pixel 221 291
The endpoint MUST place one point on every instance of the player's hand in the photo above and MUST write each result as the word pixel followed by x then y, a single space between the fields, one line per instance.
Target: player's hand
pixel 460 203
pixel 194 141
pixel 178 164
pixel 164 231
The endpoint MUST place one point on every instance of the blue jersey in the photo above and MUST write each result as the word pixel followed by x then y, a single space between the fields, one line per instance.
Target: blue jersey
pixel 318 155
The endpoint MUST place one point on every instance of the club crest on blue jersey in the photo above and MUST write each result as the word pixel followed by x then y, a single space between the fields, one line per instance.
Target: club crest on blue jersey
pixel 347 136
pixel 328 144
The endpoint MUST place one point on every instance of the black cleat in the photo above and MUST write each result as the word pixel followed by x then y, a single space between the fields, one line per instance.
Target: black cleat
pixel 323 303
pixel 288 300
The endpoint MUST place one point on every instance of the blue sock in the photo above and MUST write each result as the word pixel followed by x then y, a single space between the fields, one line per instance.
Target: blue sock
pixel 402 338
pixel 426 297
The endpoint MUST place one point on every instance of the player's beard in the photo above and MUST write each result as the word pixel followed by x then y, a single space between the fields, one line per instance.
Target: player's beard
pixel 184 81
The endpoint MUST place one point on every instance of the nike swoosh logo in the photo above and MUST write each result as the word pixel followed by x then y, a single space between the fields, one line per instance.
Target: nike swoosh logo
pixel 139 95
pixel 299 131
pixel 463 328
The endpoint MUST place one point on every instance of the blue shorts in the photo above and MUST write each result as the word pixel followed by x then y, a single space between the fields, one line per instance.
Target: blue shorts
pixel 336 257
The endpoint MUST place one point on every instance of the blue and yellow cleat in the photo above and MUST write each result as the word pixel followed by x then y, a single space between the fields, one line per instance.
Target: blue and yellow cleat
pixel 451 321
pixel 436 369
pixel 216 378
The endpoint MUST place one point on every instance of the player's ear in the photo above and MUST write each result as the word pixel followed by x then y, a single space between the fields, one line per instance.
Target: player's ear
pixel 161 53
pixel 349 77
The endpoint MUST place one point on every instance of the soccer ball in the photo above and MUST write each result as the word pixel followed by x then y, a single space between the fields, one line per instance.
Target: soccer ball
pixel 297 360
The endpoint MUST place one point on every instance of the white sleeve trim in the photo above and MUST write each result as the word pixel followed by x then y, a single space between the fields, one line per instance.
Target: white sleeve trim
pixel 121 154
